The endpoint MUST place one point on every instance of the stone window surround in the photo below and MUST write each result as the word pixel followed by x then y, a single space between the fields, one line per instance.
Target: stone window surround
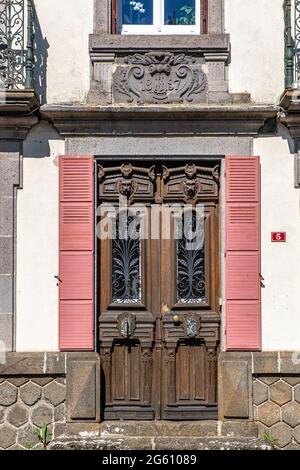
pixel 102 17
pixel 212 49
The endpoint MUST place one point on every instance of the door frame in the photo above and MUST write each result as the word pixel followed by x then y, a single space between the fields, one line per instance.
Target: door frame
pixel 110 158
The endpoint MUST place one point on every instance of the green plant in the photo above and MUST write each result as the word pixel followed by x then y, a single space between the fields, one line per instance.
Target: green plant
pixel 29 446
pixel 187 15
pixel 44 435
pixel 270 439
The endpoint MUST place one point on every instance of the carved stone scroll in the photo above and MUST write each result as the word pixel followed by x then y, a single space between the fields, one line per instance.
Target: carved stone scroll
pixel 159 77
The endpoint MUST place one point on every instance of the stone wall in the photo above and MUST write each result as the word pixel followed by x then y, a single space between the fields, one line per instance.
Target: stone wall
pixel 9 181
pixel 27 402
pixel 263 387
pixel 276 401
pixel 59 389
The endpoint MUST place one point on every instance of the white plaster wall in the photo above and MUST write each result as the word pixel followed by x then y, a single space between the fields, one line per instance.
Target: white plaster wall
pixel 280 261
pixel 62 40
pixel 256 30
pixel 37 243
pixel 257 40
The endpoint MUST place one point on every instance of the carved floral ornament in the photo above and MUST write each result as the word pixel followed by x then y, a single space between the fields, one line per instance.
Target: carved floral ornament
pixel 159 77
pixel 188 182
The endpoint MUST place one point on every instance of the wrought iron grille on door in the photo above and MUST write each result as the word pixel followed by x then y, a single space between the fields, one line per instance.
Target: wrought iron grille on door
pixel 159 289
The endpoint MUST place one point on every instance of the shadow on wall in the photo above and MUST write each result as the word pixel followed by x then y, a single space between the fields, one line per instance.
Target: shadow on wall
pixel 37 144
pixel 41 47
pixel 284 133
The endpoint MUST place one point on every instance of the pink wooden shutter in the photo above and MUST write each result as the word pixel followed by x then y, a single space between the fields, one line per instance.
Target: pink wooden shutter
pixel 76 253
pixel 243 330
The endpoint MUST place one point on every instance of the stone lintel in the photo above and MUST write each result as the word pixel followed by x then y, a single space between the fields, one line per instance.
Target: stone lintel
pixel 149 147
pixel 119 43
pixel 159 119
pixel 267 362
pixel 39 363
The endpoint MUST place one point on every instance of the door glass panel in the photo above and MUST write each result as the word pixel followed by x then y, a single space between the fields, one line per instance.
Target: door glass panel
pixel 179 12
pixel 126 260
pixel 135 12
pixel 190 259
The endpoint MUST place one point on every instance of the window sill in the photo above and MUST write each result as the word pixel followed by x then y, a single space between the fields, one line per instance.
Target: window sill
pixel 115 43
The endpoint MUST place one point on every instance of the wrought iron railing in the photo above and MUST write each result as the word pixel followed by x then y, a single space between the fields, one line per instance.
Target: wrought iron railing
pixel 297 41
pixel 288 44
pixel 16 44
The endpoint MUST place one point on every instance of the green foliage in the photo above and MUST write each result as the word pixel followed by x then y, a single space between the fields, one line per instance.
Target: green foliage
pixel 270 439
pixel 187 15
pixel 44 435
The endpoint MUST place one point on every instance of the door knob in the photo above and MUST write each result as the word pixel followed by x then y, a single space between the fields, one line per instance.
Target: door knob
pixel 175 319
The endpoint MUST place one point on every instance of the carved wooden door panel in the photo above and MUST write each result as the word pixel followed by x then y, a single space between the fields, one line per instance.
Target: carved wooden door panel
pixel 159 290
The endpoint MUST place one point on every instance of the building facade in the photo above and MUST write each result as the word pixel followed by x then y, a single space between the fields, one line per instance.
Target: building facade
pixel 114 113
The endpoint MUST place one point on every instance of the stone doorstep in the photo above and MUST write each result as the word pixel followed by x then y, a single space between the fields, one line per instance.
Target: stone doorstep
pixel 113 442
pixel 161 435
pixel 163 429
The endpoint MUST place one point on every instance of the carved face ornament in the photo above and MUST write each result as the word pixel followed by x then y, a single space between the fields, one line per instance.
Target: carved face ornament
pixel 190 188
pixel 126 187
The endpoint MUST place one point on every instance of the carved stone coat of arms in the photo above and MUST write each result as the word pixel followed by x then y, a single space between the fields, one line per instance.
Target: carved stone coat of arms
pixel 159 77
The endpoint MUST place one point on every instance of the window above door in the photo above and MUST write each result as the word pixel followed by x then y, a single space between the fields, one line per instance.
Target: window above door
pixel 159 16
pixel 159 52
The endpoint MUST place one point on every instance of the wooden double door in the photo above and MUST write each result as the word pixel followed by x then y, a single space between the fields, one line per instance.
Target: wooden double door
pixel 159 289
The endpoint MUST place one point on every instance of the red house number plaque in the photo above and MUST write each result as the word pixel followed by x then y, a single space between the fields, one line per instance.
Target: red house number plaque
pixel 278 237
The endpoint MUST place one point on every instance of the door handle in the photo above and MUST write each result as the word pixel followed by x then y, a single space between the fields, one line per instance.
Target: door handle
pixel 165 310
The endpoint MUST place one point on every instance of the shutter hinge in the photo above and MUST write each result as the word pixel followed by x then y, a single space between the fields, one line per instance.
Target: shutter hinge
pixel 59 281
pixel 220 301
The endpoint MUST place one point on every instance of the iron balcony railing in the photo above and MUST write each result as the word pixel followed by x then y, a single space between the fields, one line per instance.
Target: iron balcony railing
pixel 292 43
pixel 16 44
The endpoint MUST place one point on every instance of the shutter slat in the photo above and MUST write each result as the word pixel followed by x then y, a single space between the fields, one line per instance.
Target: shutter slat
pixel 243 330
pixel 76 226
pixel 242 227
pixel 243 324
pixel 76 274
pixel 76 253
pixel 242 178
pixel 242 275
pixel 76 325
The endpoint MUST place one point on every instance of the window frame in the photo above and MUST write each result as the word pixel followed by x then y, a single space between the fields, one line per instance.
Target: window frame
pixel 158 27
